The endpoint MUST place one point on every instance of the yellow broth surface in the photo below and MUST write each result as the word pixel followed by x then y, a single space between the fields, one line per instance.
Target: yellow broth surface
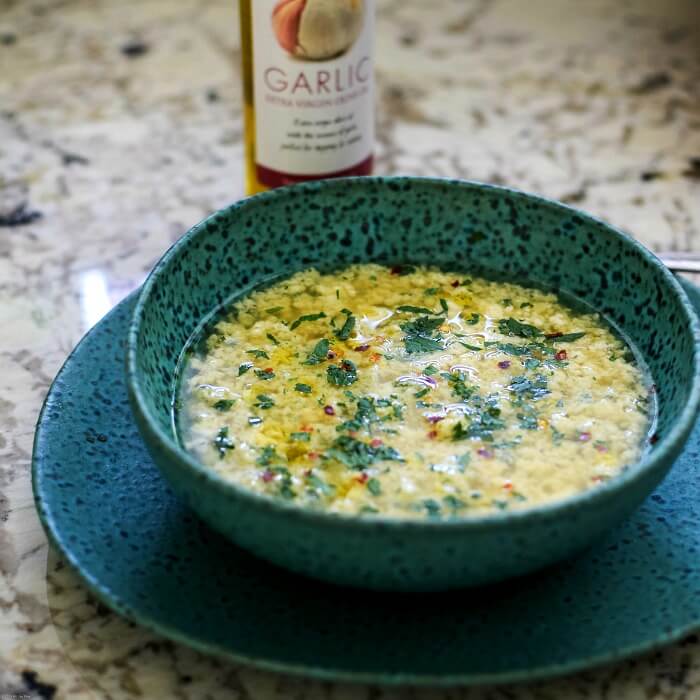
pixel 411 391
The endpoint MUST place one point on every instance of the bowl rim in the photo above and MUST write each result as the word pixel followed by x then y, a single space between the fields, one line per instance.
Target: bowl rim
pixel 671 442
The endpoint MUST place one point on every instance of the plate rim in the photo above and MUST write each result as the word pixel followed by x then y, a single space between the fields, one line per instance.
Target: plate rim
pixel 111 599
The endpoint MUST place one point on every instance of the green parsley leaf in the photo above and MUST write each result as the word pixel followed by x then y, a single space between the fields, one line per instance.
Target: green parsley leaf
pixel 473 319
pixel 274 310
pixel 506 302
pixel 307 317
pixel 300 437
pixel 303 388
pixel 267 456
pixel 430 370
pixel 374 486
pixel 420 394
pixel 432 291
pixel 258 353
pixel 319 353
pixel 242 369
pixel 526 305
pixel 224 404
pixel 348 326
pixel 357 455
pixel 273 339
pixel 469 347
pixel 223 442
pixel 264 402
pixel 443 305
pixel 432 507
pixel 511 326
pixel 343 374
pixel 264 374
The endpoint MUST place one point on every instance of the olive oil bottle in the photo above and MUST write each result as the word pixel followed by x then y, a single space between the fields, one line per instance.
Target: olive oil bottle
pixel 308 88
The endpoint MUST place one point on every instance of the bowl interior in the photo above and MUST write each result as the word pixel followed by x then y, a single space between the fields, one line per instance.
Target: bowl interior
pixel 458 225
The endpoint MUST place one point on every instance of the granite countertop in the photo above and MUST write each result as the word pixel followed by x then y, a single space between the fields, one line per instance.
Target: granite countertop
pixel 120 126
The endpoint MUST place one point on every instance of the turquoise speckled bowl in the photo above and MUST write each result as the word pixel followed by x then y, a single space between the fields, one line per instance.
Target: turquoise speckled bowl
pixel 466 226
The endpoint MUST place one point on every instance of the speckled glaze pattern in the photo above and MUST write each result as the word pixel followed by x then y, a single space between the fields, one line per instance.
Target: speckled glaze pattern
pixel 111 513
pixel 465 226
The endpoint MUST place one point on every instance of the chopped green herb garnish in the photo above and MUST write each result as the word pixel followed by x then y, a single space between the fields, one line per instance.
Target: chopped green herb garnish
pixel 343 374
pixel 473 319
pixel 526 305
pixel 532 363
pixel 453 503
pixel 430 370
pixel 274 310
pixel 420 334
pixel 267 456
pixel 272 339
pixel 264 374
pixel 264 402
pixel 319 484
pixel 224 404
pixel 432 291
pixel 357 455
pixel 374 486
pixel 420 394
pixel 303 388
pixel 432 507
pixel 443 305
pixel 511 326
pixel 532 389
pixel 348 326
pixel 506 302
pixel 469 347
pixel 319 353
pixel 223 442
pixel 242 369
pixel 557 436
pixel 300 437
pixel 307 317
pixel 258 353
pixel 528 421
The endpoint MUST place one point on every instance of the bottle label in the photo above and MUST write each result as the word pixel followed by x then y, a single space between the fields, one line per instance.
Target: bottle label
pixel 314 88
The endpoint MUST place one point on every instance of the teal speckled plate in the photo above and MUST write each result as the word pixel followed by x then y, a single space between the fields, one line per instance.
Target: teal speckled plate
pixel 108 510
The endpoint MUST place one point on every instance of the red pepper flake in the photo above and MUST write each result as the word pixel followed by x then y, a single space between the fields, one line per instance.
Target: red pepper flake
pixel 561 355
pixel 362 479
pixel 432 434
pixel 434 419
pixel 306 429
pixel 504 364
pixel 556 334
pixel 331 355
pixel 375 357
pixel 508 485
pixel 584 437
pixel 376 442
pixel 329 410
pixel 267 476
pixel 454 284
pixel 346 366
pixel 483 452
pixel 312 455
pixel 361 348
pixel 269 370
pixel 653 439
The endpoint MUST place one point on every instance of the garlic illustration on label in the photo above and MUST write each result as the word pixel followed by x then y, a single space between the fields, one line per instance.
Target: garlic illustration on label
pixel 317 29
